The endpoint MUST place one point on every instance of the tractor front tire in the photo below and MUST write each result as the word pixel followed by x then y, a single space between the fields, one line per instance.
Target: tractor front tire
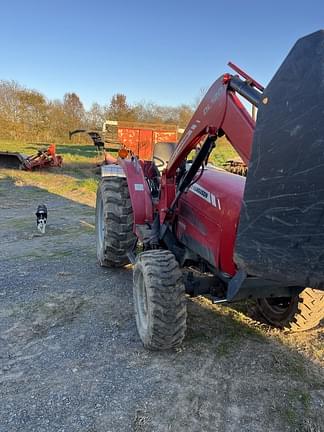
pixel 298 313
pixel 159 300
pixel 114 222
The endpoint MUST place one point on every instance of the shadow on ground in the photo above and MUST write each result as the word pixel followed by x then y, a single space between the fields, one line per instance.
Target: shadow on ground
pixel 71 359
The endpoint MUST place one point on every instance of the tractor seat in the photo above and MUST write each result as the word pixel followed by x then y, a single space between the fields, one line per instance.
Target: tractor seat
pixel 162 153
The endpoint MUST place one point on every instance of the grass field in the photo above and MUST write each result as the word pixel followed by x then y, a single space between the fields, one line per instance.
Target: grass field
pixel 77 180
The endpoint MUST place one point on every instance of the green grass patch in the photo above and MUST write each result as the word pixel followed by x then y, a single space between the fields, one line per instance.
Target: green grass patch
pixel 221 327
pixel 76 180
pixel 222 152
pixel 295 408
pixel 89 185
pixel 20 147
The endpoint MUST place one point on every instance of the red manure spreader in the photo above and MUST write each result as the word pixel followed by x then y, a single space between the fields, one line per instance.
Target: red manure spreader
pixel 191 228
pixel 129 138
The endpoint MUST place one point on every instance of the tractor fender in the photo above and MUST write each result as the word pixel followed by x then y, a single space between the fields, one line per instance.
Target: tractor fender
pixel 139 192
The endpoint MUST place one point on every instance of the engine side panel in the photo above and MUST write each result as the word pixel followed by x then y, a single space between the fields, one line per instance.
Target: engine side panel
pixel 208 217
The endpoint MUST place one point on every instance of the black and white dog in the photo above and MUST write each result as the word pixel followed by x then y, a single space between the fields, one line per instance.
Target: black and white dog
pixel 41 215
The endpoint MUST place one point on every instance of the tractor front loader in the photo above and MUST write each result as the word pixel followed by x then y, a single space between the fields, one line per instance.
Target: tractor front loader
pixel 192 228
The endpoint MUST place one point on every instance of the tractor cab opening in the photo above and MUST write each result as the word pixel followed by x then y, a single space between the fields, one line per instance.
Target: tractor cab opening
pixel 162 153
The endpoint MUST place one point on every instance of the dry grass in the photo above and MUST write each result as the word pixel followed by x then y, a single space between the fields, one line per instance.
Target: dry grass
pixel 76 180
pixel 239 322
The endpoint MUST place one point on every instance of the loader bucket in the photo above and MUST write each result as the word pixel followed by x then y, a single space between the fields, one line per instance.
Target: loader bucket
pixel 281 230
pixel 11 160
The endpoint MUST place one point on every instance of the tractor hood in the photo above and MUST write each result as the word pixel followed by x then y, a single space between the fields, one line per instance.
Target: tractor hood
pixel 281 230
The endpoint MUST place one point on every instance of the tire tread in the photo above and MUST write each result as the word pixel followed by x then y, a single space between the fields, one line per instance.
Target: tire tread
pixel 119 237
pixel 166 291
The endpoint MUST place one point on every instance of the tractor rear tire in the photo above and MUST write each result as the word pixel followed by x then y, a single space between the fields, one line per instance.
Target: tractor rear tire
pixel 159 300
pixel 114 222
pixel 298 313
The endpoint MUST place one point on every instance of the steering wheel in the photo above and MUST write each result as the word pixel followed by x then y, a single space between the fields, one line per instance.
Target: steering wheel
pixel 161 164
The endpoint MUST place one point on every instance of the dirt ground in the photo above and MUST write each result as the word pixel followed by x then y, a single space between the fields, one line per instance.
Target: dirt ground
pixel 71 359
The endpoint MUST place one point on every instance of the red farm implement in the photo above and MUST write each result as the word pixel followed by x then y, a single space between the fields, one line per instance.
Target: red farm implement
pixel 42 159
pixel 133 138
pixel 139 138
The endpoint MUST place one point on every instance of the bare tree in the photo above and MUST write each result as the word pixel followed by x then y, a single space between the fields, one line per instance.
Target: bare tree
pixel 26 114
pixel 96 116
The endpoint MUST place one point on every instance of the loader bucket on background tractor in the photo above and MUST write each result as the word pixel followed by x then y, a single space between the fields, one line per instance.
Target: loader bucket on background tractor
pixel 281 230
pixel 11 160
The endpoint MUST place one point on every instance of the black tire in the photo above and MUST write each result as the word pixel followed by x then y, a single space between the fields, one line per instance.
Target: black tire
pixel 159 300
pixel 297 313
pixel 114 222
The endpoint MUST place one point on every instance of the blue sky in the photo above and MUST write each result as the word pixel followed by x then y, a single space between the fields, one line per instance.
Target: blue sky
pixel 160 51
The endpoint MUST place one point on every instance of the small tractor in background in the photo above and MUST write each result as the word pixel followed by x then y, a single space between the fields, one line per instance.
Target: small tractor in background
pixel 191 228
pixel 44 158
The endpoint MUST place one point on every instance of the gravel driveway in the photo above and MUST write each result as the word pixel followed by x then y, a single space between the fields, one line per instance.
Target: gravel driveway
pixel 71 359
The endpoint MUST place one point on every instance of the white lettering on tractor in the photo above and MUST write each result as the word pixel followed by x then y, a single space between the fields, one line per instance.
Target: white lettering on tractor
pixel 206 195
pixel 139 186
pixel 217 95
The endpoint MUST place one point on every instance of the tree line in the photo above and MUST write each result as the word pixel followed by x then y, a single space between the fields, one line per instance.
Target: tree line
pixel 27 115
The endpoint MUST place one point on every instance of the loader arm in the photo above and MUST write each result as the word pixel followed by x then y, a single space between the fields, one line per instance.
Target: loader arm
pixel 281 226
pixel 220 110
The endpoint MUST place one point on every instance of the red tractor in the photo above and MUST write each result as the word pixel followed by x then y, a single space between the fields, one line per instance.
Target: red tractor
pixel 189 227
